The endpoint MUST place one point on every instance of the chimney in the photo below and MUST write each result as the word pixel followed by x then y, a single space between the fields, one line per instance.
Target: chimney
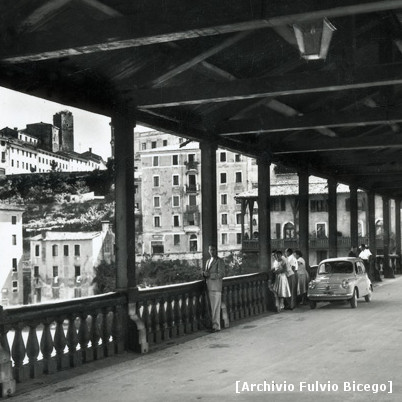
pixel 90 150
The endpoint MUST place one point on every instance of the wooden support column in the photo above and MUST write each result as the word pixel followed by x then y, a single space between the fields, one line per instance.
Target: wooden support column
pixel 374 273
pixel 208 198
pixel 264 214
pixel 251 210
pixel 354 232
pixel 332 218
pixel 388 273
pixel 398 233
pixel 123 129
pixel 304 213
pixel 243 212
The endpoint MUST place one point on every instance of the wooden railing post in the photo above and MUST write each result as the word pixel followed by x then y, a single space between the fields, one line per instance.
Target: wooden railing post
pixel 7 382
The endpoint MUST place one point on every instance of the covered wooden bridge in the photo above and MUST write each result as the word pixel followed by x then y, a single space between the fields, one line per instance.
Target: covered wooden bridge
pixel 313 85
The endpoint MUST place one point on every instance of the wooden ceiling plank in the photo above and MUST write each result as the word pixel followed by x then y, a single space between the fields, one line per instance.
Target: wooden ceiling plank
pixel 377 116
pixel 319 81
pixel 109 11
pixel 219 19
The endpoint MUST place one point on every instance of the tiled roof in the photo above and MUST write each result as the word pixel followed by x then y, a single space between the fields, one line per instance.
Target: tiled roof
pixel 58 236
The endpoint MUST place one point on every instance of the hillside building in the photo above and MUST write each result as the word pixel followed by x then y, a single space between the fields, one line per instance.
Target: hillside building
pixel 63 262
pixel 11 272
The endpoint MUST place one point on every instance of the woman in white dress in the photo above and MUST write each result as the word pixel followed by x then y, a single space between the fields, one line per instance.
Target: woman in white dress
pixel 304 277
pixel 281 285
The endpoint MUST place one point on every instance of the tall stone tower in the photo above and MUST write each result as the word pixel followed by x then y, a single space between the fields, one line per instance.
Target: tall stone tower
pixel 65 122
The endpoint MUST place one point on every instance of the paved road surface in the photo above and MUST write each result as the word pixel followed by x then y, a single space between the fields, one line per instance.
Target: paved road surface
pixel 333 345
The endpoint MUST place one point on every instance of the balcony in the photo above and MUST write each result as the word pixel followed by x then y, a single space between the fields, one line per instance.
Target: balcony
pixel 192 188
pixel 191 166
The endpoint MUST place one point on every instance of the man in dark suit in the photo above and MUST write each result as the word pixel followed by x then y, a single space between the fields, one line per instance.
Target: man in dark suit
pixel 214 272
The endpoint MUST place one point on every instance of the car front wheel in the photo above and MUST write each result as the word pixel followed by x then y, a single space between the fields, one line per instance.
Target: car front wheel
pixel 353 300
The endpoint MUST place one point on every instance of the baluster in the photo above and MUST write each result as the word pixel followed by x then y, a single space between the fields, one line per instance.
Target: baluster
pixel 95 336
pixel 7 380
pixel 184 313
pixel 163 319
pixel 230 303
pixel 18 354
pixel 148 322
pixel 107 347
pixel 155 321
pixel 170 317
pixel 72 341
pixel 4 340
pixel 198 310
pixel 236 302
pixel 46 347
pixel 60 343
pixel 32 351
pixel 117 330
pixel 177 316
pixel 254 297
pixel 264 294
pixel 83 339
pixel 192 312
pixel 246 301
pixel 205 310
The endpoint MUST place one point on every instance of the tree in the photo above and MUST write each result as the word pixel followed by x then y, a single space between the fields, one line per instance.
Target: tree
pixel 105 278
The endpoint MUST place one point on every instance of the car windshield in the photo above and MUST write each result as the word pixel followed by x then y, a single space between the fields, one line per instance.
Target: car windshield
pixel 335 267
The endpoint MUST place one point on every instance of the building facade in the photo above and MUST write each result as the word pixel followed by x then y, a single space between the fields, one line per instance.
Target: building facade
pixel 43 147
pixel 63 262
pixel 11 273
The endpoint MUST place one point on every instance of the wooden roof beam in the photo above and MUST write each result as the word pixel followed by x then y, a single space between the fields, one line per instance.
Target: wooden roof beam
pixel 216 19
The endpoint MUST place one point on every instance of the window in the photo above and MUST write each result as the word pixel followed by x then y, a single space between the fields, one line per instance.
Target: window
pixel 278 204
pixel 55 250
pixel 223 178
pixel 224 199
pixel 238 177
pixel 224 238
pixel 224 219
pixel 176 220
pixel 157 202
pixel 192 199
pixel 193 243
pixel 37 250
pixel 319 205
pixel 77 270
pixel 55 271
pixel 165 143
pixel 176 201
pixel 237 158
pixel 14 240
pixel 157 248
pixel 77 250
pixel 238 219
pixel 13 220
pixel 144 146
pixel 157 221
pixel 360 204
pixel 176 239
pixel 379 227
pixel 15 286
pixel 14 262
pixel 191 157
pixel 155 161
pixel 321 230
pixel 153 144
pixel 65 250
pixel 156 181
pixel 36 271
pixel 238 238
pixel 289 231
pixel 175 160
pixel 175 179
pixel 222 157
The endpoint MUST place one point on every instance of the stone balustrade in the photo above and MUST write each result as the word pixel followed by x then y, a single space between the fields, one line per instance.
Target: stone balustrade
pixel 49 337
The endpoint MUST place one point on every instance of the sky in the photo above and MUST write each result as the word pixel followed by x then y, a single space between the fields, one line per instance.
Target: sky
pixel 90 130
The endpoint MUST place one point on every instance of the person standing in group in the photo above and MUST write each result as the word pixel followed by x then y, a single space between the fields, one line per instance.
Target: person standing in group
pixel 213 273
pixel 281 285
pixel 365 255
pixel 302 276
pixel 291 274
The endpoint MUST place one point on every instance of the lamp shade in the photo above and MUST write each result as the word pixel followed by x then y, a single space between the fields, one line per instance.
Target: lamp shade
pixel 313 38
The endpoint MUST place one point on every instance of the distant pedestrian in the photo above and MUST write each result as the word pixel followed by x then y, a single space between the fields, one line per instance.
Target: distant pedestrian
pixel 303 277
pixel 353 252
pixel 213 273
pixel 291 274
pixel 281 286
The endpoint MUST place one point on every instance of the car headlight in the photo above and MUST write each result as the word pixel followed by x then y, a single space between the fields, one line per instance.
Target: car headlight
pixel 312 285
pixel 345 283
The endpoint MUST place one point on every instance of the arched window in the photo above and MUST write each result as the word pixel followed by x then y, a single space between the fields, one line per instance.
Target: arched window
pixel 289 231
pixel 379 227
pixel 193 242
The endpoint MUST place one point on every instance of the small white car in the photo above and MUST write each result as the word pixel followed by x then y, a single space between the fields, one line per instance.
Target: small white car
pixel 340 279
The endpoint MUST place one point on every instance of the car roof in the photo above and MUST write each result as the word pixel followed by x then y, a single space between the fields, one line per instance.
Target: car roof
pixel 352 259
